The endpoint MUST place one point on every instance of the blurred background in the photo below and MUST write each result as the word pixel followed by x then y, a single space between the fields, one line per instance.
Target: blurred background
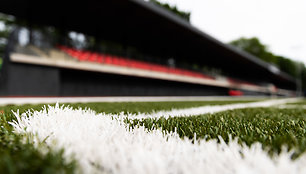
pixel 151 48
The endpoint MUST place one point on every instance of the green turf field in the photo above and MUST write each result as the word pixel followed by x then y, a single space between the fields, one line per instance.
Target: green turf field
pixel 19 157
pixel 273 127
pixel 128 107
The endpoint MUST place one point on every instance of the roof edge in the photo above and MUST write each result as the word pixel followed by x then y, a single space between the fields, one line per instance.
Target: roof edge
pixel 169 15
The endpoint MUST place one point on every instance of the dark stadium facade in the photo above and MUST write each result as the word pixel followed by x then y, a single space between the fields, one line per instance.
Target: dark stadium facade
pixel 142 25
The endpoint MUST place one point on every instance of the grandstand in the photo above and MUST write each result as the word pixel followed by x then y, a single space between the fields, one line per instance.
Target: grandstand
pixel 155 54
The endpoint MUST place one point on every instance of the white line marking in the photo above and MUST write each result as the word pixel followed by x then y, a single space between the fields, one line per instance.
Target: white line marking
pixel 211 109
pixel 105 142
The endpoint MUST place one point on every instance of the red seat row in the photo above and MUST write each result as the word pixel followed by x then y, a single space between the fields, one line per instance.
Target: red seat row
pixel 235 93
pixel 120 61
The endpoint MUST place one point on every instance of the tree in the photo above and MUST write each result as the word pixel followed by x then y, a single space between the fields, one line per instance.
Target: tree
pixel 258 49
pixel 182 14
pixel 287 65
pixel 6 24
pixel 303 77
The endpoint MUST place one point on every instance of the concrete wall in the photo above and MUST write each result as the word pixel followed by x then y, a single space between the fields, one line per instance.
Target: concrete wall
pixel 83 83
pixel 34 80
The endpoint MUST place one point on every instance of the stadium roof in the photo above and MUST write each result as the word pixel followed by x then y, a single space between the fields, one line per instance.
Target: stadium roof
pixel 148 27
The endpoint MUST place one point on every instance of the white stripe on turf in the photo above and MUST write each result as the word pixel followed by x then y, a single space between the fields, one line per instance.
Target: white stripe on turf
pixel 292 106
pixel 103 144
pixel 211 109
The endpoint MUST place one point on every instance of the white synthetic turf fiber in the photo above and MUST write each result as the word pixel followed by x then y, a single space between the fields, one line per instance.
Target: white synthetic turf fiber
pixel 212 109
pixel 103 144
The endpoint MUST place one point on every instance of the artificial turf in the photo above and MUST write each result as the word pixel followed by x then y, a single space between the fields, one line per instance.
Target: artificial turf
pixel 274 128
pixel 126 107
pixel 20 156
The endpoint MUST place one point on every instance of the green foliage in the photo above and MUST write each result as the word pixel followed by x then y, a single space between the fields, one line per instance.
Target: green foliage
pixel 272 127
pixel 7 19
pixel 182 14
pixel 7 22
pixel 256 48
pixel 287 65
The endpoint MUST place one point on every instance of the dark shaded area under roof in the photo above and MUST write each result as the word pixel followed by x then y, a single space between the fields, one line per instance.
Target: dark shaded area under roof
pixel 149 28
